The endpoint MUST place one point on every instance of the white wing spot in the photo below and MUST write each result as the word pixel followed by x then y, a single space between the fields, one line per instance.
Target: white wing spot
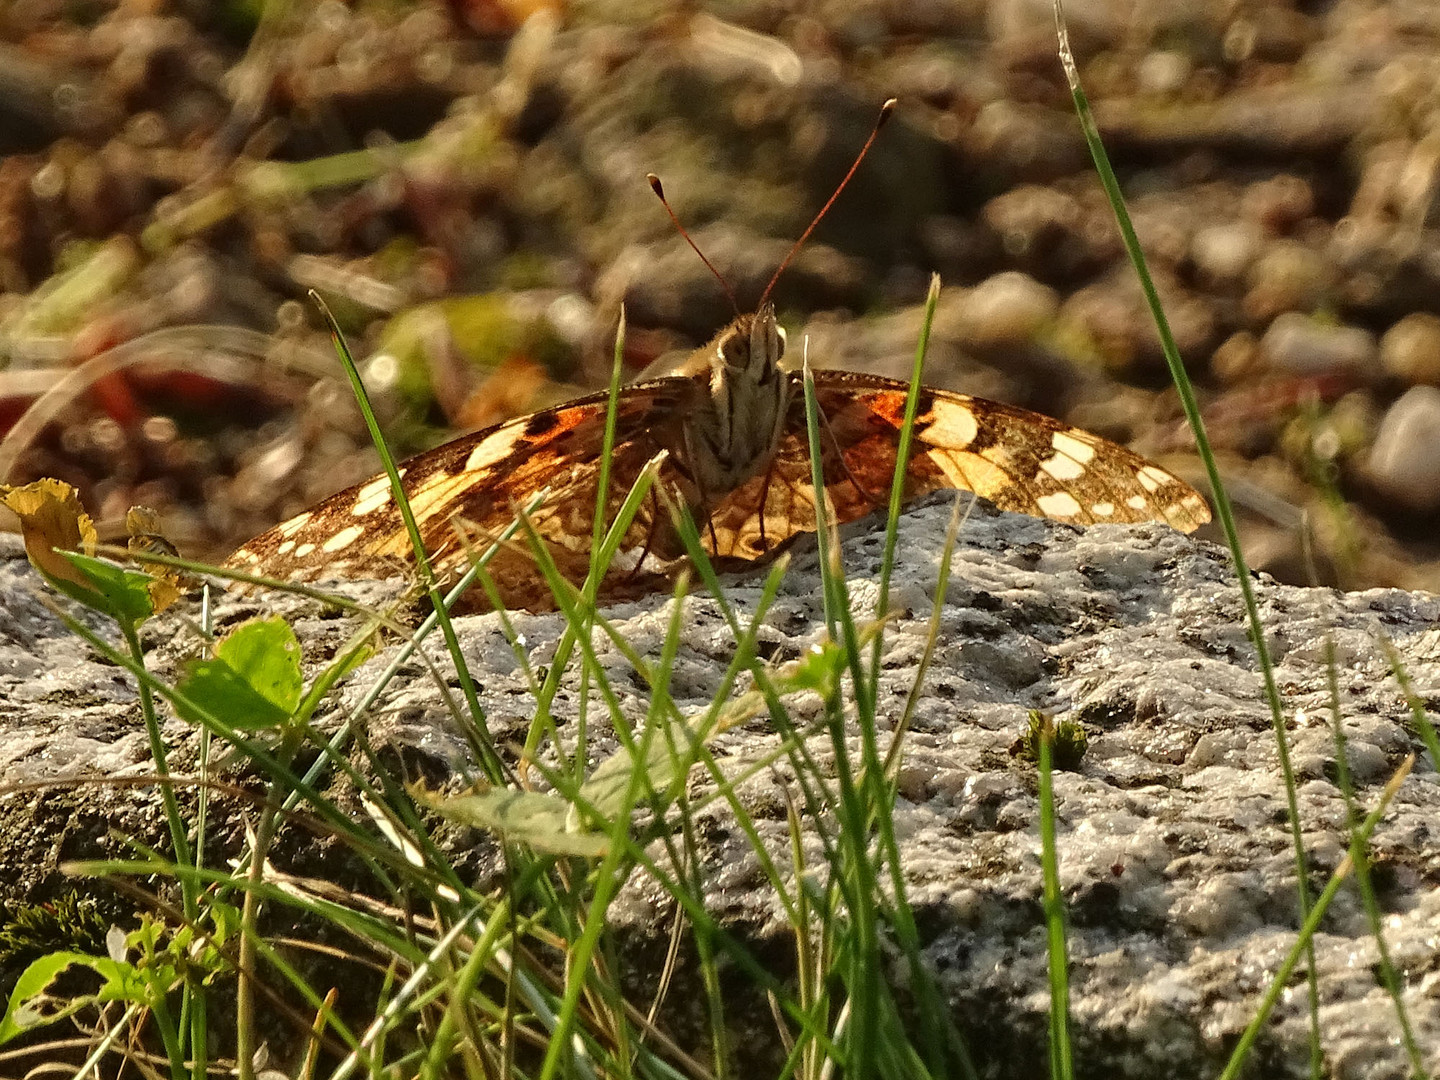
pixel 1103 509
pixel 285 548
pixel 951 426
pixel 1137 502
pixel 1060 504
pixel 1072 446
pixel 303 550
pixel 294 525
pixel 494 447
pixel 373 496
pixel 343 539
pixel 1153 478
pixel 1062 467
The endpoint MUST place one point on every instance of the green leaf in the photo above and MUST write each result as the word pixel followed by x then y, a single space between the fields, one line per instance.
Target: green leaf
pixel 118 590
pixel 35 1001
pixel 528 817
pixel 818 670
pixel 609 784
pixel 254 681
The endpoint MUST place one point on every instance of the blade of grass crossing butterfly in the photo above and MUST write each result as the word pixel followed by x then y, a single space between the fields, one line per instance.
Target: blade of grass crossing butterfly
pixel 566 644
pixel 336 743
pixel 897 484
pixel 859 882
pixel 612 404
pixel 565 592
pixel 825 541
pixel 494 768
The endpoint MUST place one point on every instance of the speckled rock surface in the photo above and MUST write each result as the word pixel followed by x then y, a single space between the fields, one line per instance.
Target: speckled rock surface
pixel 1175 852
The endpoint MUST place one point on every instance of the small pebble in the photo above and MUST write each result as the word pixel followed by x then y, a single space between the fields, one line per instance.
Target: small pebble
pixel 1303 346
pixel 1223 252
pixel 1163 71
pixel 1410 350
pixel 1007 309
pixel 1237 358
pixel 1279 203
pixel 1288 277
pixel 1404 463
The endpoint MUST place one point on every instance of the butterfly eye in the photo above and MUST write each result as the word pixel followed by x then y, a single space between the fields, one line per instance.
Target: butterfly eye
pixel 732 352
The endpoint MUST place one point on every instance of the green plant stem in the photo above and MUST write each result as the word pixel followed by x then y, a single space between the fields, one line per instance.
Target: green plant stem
pixel 249 931
pixel 490 761
pixel 1281 979
pixel 1223 510
pixel 193 1004
pixel 1062 1066
pixel 1388 975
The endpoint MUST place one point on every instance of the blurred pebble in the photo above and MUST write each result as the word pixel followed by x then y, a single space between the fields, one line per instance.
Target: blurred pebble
pixel 1410 350
pixel 1300 345
pixel 1237 358
pixel 1279 203
pixel 1289 276
pixel 1222 253
pixel 1007 309
pixel 1163 71
pixel 1404 462
pixel 1113 317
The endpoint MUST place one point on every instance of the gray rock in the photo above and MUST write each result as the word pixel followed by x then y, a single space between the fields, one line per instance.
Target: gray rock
pixel 1175 852
pixel 1300 345
pixel 1404 462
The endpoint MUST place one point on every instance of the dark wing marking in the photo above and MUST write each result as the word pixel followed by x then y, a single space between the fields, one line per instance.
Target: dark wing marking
pixel 473 485
pixel 1020 460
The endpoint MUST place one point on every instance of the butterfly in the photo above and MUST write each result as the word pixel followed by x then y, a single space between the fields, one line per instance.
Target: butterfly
pixel 731 424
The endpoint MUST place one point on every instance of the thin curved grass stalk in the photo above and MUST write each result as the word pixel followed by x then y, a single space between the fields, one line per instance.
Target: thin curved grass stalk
pixel 1388 975
pixel 197 348
pixel 1224 513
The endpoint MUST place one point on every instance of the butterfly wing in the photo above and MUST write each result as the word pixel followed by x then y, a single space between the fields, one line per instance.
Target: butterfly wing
pixel 1019 460
pixel 472 487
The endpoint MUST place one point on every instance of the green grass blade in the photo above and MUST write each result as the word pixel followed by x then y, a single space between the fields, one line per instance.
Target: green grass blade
pixel 1388 975
pixel 490 761
pixel 1223 510
pixel 1281 980
pixel 897 483
pixel 1061 1065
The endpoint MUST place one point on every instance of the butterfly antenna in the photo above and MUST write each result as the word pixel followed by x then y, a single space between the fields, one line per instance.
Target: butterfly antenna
pixel 885 111
pixel 660 194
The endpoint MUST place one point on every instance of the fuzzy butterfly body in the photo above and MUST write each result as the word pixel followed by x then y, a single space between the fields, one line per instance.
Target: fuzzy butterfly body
pixel 732 426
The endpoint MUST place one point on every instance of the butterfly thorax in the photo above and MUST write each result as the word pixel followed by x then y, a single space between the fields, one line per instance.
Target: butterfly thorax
pixel 733 434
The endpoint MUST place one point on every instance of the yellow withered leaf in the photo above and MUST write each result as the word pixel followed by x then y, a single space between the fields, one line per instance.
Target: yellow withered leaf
pixel 51 521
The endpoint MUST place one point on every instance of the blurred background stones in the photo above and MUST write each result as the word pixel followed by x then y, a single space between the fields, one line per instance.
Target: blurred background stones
pixel 464 183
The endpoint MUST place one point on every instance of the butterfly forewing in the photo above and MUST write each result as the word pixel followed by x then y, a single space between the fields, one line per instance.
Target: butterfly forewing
pixel 466 492
pixel 1020 460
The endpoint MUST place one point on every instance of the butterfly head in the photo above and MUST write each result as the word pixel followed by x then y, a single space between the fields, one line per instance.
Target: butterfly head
pixel 749 348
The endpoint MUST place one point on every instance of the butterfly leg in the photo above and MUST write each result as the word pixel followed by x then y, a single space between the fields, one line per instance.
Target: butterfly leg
pixel 764 503
pixel 649 545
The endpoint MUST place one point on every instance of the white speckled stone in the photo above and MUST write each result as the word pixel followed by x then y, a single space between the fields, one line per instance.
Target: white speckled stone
pixel 1175 851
